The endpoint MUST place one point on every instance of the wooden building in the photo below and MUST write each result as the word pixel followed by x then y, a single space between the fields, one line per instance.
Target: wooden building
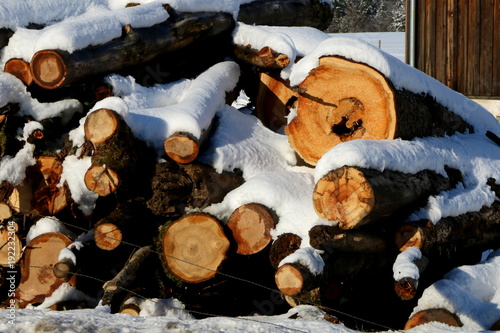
pixel 458 43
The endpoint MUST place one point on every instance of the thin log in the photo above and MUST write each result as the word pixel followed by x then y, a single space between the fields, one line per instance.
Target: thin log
pixel 176 187
pixel 193 247
pixel 37 278
pixel 119 158
pixel 20 69
pixel 251 226
pixel 332 238
pixel 56 68
pixel 294 278
pixel 126 276
pixel 265 58
pixel 284 245
pixel 313 13
pixel 433 315
pixel 341 100
pixel 357 196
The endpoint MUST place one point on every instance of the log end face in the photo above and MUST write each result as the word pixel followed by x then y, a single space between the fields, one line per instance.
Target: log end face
pixel 251 226
pixel 48 69
pixel 289 280
pixel 194 247
pixel 100 125
pixel 344 195
pixel 101 180
pixel 107 236
pixel 438 315
pixel 20 69
pixel 408 236
pixel 181 148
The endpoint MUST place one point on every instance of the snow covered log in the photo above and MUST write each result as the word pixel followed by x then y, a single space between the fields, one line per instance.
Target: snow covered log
pixel 37 278
pixel 176 187
pixel 57 68
pixel 251 226
pixel 312 13
pixel 120 160
pixel 193 248
pixel 20 69
pixel 476 231
pixel 356 196
pixel 342 100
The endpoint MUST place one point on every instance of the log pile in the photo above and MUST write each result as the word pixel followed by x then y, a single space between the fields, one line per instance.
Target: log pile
pixel 114 212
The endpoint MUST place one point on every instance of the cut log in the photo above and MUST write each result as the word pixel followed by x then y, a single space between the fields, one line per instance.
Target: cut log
pixel 55 68
pixel 183 147
pixel 265 58
pixel 20 69
pixel 251 226
pixel 122 225
pixel 5 35
pixel 193 247
pixel 293 279
pixel 313 13
pixel 284 245
pixel 64 269
pixel 120 160
pixel 176 187
pixel 437 315
pixel 333 238
pixel 479 230
pixel 356 196
pixel 341 100
pixel 126 275
pixel 10 244
pixel 407 268
pixel 37 278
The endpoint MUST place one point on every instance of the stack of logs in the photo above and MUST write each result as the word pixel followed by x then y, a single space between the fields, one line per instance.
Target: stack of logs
pixel 147 243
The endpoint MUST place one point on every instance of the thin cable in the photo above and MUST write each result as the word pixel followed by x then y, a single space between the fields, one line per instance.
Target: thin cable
pixel 326 308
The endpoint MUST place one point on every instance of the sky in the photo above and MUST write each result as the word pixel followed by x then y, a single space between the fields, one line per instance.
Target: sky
pixel 268 163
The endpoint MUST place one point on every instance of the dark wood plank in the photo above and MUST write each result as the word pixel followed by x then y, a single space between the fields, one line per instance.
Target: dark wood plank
pixel 496 50
pixel 452 43
pixel 441 41
pixel 485 84
pixel 462 44
pixel 474 25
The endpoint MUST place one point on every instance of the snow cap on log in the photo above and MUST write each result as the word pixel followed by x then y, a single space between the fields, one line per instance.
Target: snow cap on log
pixel 14 91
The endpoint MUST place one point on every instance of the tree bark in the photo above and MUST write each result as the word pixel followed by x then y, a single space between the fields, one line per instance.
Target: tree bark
pixel 56 68
pixel 176 187
pixel 284 245
pixel 311 13
pixel 251 226
pixel 37 278
pixel 341 100
pixel 333 238
pixel 120 161
pixel 193 247
pixel 356 196
pixel 20 69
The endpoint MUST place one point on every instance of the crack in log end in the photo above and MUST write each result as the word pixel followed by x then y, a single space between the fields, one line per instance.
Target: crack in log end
pixel 348 109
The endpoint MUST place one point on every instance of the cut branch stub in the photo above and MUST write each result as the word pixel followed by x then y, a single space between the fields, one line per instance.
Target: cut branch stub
pixel 101 180
pixel 37 277
pixel 194 247
pixel 356 196
pixel 182 147
pixel 343 101
pixel 251 226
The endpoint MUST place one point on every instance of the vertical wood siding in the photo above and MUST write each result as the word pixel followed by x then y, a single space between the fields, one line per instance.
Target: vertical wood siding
pixel 458 43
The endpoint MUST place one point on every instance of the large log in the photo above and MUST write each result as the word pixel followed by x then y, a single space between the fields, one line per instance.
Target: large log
pixel 193 247
pixel 120 160
pixel 37 278
pixel 357 196
pixel 311 13
pixel 56 68
pixel 342 100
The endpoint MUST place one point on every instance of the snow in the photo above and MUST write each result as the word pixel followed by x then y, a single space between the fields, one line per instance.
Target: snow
pixel 241 142
pixel 404 264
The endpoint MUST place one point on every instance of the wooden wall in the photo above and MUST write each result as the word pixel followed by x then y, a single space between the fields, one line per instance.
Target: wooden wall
pixel 458 43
